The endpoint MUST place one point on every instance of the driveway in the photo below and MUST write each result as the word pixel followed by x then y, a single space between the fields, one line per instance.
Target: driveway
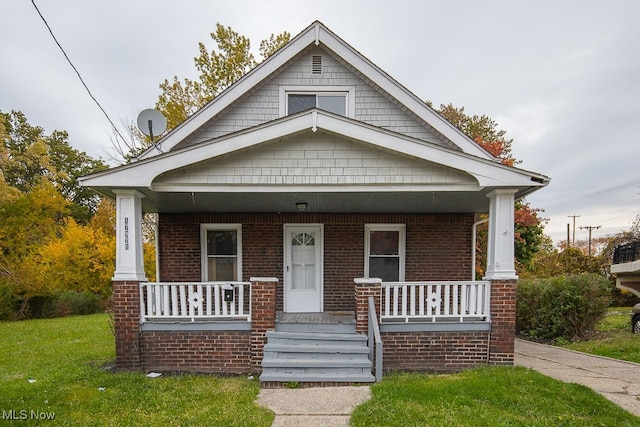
pixel 616 380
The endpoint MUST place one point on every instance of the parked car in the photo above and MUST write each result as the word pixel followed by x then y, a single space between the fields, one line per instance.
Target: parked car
pixel 635 319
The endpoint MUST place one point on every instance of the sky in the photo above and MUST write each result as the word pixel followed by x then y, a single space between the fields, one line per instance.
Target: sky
pixel 560 77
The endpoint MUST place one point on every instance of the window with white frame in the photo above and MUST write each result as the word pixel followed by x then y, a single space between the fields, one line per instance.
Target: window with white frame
pixel 335 99
pixel 385 251
pixel 221 252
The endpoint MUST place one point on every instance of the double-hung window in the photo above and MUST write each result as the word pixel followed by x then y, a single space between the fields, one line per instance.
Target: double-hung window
pixel 385 251
pixel 335 99
pixel 221 252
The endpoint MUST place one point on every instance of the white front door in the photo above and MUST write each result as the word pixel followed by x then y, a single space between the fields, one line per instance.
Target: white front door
pixel 303 268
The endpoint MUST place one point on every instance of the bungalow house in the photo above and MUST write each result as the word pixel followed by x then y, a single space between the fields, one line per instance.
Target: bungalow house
pixel 316 223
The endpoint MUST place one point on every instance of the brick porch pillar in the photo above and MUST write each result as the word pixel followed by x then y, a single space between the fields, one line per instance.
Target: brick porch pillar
pixel 502 275
pixel 126 320
pixel 503 322
pixel 263 316
pixel 365 288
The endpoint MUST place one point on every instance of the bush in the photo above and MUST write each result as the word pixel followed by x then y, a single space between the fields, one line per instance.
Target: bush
pixel 72 303
pixel 566 307
pixel 67 303
pixel 9 303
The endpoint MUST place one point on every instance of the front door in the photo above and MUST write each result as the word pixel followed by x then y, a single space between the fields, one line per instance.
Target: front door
pixel 303 268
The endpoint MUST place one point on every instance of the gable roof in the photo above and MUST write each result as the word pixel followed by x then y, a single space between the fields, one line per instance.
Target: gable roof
pixel 487 174
pixel 314 35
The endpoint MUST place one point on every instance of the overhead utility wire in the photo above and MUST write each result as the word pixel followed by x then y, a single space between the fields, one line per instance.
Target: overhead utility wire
pixel 78 73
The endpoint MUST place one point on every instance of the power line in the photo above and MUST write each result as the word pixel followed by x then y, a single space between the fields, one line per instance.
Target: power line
pixel 77 72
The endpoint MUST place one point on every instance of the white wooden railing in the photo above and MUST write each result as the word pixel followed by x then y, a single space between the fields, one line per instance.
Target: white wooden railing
pixel 435 301
pixel 192 301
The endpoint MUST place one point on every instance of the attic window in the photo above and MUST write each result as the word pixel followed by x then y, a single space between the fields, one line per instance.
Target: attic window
pixel 316 64
pixel 335 99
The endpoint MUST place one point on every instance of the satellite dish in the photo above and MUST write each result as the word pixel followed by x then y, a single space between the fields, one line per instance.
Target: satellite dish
pixel 151 122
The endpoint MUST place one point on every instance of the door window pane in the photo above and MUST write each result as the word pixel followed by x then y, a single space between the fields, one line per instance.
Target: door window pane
pixel 303 254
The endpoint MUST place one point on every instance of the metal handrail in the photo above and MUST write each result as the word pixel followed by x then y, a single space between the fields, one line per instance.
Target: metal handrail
pixel 375 340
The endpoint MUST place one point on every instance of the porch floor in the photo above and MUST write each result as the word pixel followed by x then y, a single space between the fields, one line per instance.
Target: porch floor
pixel 324 318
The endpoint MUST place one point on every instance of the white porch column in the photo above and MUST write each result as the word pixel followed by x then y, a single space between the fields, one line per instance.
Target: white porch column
pixel 129 250
pixel 500 241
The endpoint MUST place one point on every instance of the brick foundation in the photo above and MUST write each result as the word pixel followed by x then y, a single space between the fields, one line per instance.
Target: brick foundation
pixel 227 352
pixel 434 351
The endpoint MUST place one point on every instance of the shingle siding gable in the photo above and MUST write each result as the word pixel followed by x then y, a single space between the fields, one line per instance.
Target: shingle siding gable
pixel 315 158
pixel 262 105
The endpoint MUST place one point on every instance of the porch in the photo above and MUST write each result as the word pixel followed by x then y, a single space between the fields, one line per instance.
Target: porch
pixel 235 328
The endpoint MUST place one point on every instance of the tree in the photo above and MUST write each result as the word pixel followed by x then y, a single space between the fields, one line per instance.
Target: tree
pixel 218 69
pixel 483 130
pixel 28 156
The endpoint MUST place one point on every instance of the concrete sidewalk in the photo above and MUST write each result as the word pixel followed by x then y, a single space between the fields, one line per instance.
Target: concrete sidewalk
pixel 616 380
pixel 311 407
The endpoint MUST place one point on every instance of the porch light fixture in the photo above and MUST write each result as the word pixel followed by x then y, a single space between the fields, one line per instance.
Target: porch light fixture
pixel 301 206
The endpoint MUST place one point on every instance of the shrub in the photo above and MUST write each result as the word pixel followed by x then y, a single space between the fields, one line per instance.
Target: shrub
pixel 9 302
pixel 566 307
pixel 73 303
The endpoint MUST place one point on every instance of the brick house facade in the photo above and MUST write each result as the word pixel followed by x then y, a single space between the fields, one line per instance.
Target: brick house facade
pixel 311 185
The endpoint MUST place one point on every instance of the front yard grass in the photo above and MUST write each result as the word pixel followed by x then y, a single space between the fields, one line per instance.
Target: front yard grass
pixel 59 367
pixel 56 367
pixel 489 396
pixel 613 337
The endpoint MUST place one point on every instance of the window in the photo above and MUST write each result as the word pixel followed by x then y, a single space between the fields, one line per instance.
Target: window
pixel 385 251
pixel 221 252
pixel 335 99
pixel 332 102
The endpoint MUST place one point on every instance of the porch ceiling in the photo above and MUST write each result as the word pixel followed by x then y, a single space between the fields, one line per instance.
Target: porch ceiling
pixel 335 202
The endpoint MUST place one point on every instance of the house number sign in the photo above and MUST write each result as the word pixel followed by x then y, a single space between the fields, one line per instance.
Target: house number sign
pixel 126 233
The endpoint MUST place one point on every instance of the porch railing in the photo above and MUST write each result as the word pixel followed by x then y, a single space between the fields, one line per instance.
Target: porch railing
pixel 375 340
pixel 192 301
pixel 435 301
pixel 628 252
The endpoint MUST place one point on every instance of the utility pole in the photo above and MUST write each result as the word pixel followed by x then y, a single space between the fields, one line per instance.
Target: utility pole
pixel 574 216
pixel 590 228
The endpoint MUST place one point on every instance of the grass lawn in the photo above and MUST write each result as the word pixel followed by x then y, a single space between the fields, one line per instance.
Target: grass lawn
pixel 613 337
pixel 491 396
pixel 57 366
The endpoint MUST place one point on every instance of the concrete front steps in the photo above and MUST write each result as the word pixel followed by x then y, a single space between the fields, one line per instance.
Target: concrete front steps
pixel 318 353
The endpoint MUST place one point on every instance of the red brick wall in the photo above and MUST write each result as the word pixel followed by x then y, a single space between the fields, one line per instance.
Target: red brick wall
pixel 196 351
pixel 126 316
pixel 434 351
pixel 438 247
pixel 503 321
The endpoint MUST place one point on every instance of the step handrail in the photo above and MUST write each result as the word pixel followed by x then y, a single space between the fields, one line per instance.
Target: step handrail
pixel 375 340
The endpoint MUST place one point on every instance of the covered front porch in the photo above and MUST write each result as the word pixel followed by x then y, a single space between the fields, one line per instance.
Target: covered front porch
pixel 237 329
